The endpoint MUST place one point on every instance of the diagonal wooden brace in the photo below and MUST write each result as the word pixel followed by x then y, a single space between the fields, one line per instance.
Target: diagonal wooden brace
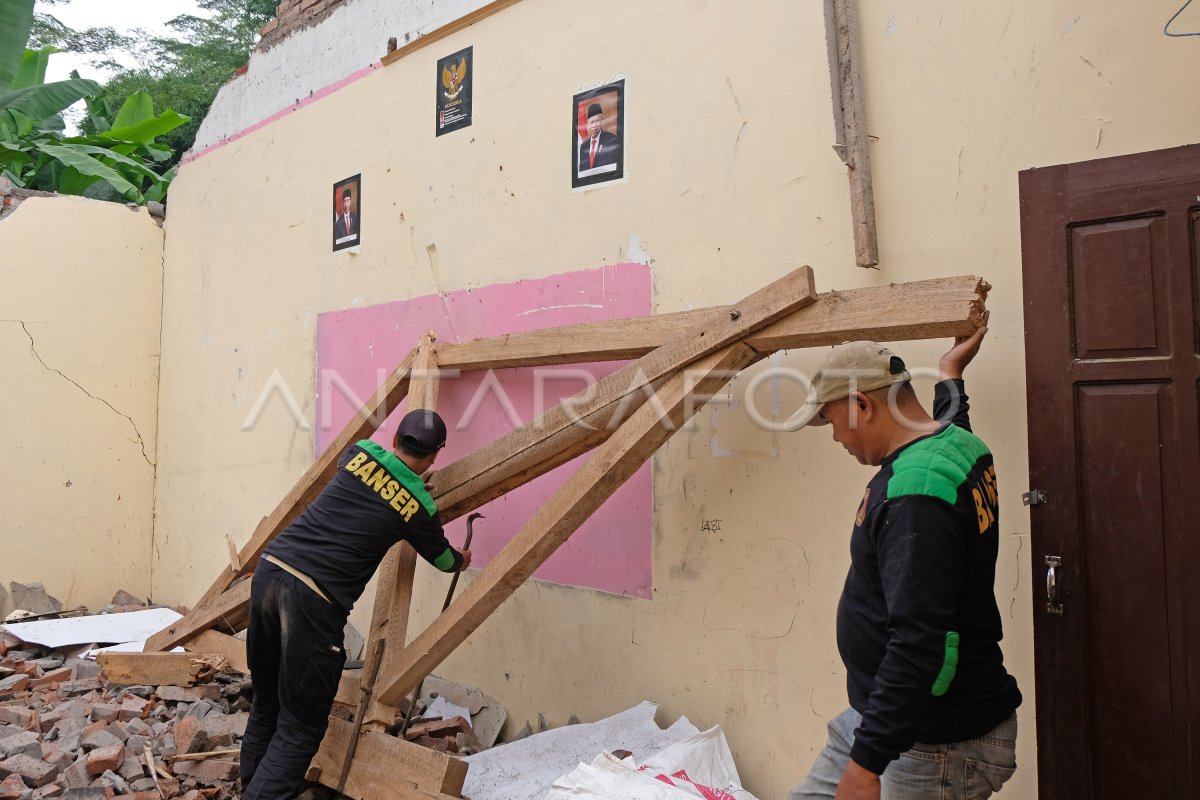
pixel 610 466
pixel 711 330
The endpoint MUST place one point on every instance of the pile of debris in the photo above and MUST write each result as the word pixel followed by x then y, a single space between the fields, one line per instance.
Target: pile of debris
pixel 449 717
pixel 67 731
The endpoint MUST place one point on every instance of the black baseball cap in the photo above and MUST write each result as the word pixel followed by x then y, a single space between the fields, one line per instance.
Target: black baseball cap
pixel 421 431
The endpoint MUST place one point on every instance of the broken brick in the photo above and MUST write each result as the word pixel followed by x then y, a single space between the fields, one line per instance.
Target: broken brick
pixel 189 735
pixel 208 771
pixel 102 712
pixel 12 788
pixel 78 687
pixel 56 756
pixel 53 677
pixel 93 737
pixel 76 776
pixel 85 793
pixel 25 742
pixel 131 768
pixel 227 723
pixel 132 708
pixel 105 758
pixel 16 715
pixel 178 694
pixel 35 771
pixel 13 684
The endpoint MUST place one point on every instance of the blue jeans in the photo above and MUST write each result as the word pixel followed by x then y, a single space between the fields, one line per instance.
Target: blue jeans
pixel 970 770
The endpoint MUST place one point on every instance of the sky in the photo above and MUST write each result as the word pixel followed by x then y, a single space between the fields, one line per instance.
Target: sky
pixel 123 15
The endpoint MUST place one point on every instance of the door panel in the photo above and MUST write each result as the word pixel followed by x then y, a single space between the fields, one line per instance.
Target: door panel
pixel 1127 657
pixel 1109 251
pixel 1118 289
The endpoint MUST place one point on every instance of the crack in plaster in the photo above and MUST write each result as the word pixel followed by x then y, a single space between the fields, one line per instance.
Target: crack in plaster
pixel 34 352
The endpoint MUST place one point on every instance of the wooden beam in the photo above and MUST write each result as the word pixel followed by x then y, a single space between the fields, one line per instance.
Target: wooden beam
pixel 385 766
pixel 172 669
pixel 857 155
pixel 394 588
pixel 437 34
pixel 607 469
pixel 710 331
pixel 929 309
pixel 934 308
pixel 364 423
pixel 229 609
pixel 211 641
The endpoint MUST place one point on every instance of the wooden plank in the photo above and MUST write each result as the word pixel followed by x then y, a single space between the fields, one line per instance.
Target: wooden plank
pixel 229 609
pixel 172 669
pixel 235 558
pixel 423 385
pixel 364 423
pixel 934 308
pixel 437 34
pixel 854 124
pixel 211 641
pixel 393 597
pixel 712 330
pixel 608 468
pixel 929 309
pixel 385 766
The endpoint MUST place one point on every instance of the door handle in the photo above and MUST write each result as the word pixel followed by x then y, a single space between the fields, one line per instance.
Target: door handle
pixel 1053 606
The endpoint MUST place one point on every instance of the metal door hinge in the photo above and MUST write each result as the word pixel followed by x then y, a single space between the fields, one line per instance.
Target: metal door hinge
pixel 1034 497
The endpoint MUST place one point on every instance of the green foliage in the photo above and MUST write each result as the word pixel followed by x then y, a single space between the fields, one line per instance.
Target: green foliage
pixel 185 73
pixel 115 161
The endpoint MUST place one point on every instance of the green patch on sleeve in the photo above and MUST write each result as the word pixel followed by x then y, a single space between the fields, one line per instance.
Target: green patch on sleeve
pixel 445 562
pixel 941 683
pixel 936 466
pixel 411 480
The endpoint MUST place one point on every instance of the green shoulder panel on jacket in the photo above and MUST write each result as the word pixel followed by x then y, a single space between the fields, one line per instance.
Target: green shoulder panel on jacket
pixel 936 466
pixel 411 480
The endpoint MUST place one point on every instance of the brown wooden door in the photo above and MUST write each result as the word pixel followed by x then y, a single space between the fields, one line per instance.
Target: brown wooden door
pixel 1111 341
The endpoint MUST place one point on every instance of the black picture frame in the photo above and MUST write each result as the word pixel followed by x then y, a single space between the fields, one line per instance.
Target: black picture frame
pixel 604 161
pixel 455 77
pixel 348 235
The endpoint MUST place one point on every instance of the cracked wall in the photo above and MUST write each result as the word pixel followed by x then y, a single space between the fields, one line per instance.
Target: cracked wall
pixel 80 311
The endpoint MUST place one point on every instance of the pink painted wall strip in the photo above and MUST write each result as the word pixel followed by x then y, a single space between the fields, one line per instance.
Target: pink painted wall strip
pixel 312 98
pixel 356 348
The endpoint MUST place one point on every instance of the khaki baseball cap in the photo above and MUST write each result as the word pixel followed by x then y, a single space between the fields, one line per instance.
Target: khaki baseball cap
pixel 849 367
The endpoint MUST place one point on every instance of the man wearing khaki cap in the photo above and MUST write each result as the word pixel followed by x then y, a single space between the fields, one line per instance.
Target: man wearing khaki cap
pixel 932 709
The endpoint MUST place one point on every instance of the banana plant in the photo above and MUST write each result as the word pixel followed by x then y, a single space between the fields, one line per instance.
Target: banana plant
pixel 113 164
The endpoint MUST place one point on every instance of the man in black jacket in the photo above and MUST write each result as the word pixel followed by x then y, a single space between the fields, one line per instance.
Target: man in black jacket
pixel 310 576
pixel 932 707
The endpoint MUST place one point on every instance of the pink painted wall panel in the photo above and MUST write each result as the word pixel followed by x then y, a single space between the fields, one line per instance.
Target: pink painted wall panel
pixel 358 347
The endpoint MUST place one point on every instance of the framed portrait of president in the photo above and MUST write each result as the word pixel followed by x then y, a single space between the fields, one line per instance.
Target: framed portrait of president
pixel 598 135
pixel 347 213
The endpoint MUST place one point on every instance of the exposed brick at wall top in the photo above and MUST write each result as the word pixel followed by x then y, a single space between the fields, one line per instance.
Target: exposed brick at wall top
pixel 292 15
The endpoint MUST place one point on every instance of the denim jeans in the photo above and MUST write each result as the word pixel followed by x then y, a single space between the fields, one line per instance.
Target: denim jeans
pixel 970 770
pixel 294 648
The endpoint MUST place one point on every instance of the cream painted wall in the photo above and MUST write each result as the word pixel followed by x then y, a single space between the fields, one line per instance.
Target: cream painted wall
pixel 732 181
pixel 80 305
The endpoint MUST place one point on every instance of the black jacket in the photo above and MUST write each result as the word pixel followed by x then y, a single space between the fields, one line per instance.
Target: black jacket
pixel 372 502
pixel 917 624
